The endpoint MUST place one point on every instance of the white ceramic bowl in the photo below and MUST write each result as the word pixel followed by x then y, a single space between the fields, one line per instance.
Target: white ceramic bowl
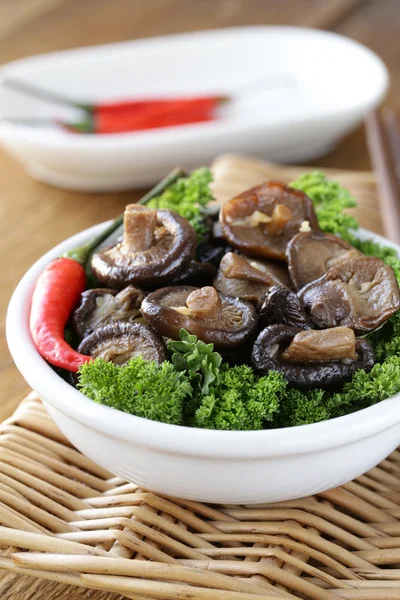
pixel 212 466
pixel 321 86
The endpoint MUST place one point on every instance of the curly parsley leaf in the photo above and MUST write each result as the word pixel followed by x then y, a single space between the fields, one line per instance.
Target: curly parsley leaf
pixel 189 197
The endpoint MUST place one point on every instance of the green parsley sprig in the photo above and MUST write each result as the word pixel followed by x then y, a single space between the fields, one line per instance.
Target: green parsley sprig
pixel 189 197
pixel 197 359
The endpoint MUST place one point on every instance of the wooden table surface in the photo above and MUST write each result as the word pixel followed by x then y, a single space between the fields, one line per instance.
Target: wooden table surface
pixel 35 217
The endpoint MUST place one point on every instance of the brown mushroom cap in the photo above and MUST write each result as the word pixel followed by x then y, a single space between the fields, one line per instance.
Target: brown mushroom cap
pixel 156 246
pixel 196 273
pixel 280 305
pixel 262 220
pixel 101 306
pixel 215 318
pixel 120 342
pixel 269 354
pixel 361 294
pixel 313 253
pixel 248 278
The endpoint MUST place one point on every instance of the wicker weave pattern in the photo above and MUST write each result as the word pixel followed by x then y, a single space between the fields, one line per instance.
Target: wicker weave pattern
pixel 66 519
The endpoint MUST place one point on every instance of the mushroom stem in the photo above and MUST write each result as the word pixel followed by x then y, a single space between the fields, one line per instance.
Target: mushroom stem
pixel 338 343
pixel 139 226
pixel 280 216
pixel 205 304
pixel 234 266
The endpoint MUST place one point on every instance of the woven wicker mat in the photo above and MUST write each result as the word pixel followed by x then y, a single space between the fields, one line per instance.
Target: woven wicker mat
pixel 70 521
pixel 66 520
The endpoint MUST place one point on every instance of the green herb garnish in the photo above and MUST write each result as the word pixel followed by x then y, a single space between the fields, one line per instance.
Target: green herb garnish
pixel 189 196
pixel 197 359
pixel 298 408
pixel 141 388
pixel 240 400
pixel 330 199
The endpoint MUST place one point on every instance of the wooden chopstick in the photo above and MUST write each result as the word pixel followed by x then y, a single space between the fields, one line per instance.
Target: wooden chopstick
pixel 383 138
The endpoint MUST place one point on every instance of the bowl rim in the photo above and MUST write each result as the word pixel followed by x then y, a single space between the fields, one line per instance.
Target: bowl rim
pixel 174 438
pixel 178 135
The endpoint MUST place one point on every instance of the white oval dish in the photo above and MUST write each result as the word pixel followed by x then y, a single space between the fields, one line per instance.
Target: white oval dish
pixel 231 467
pixel 321 86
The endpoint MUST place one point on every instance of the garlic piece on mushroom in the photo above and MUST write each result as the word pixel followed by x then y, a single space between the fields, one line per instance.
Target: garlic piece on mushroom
pixel 253 220
pixel 304 227
pixel 286 209
pixel 280 216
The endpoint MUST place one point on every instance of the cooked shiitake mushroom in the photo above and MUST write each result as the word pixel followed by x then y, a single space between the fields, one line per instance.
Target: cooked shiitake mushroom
pixel 262 220
pixel 213 317
pixel 313 253
pixel 310 359
pixel 120 342
pixel 280 305
pixel 101 306
pixel 212 252
pixel 361 293
pixel 156 246
pixel 196 273
pixel 248 278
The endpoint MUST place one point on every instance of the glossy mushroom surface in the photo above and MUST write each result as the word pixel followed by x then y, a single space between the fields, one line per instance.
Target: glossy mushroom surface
pixel 338 343
pixel 360 293
pixel 311 254
pixel 271 347
pixel 156 246
pixel 196 273
pixel 222 320
pixel 101 306
pixel 280 305
pixel 248 278
pixel 120 342
pixel 262 220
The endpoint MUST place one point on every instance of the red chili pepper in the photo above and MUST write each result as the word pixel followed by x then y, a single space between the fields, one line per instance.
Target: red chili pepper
pixel 126 115
pixel 116 123
pixel 112 118
pixel 56 294
pixel 158 105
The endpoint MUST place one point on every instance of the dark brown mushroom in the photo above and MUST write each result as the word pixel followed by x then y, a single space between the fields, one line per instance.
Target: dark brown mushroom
pixel 120 342
pixel 311 254
pixel 280 305
pixel 101 306
pixel 156 246
pixel 212 252
pixel 361 294
pixel 248 278
pixel 279 348
pixel 222 320
pixel 196 273
pixel 262 220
